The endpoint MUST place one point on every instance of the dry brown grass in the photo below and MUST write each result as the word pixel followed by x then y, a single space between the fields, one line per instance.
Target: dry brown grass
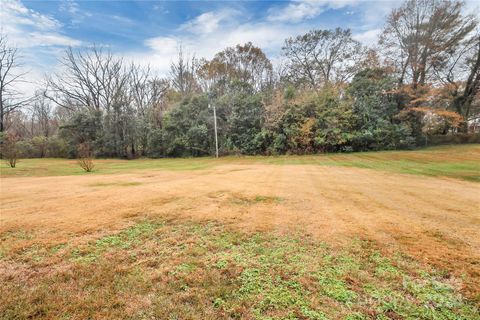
pixel 434 220
pixel 171 269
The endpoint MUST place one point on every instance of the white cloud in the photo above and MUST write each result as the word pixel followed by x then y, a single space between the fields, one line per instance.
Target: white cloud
pixel 300 10
pixel 160 7
pixel 208 22
pixel 27 28
pixel 204 23
pixel 211 32
pixel 14 12
pixel 369 37
pixel 72 9
pixel 46 39
pixel 163 45
pixel 38 37
pixel 70 6
pixel 41 38
pixel 122 19
pixel 268 36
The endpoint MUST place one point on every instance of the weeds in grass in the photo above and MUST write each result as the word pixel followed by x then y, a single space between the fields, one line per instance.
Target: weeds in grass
pixel 185 270
pixel 123 240
pixel 58 247
pixel 245 200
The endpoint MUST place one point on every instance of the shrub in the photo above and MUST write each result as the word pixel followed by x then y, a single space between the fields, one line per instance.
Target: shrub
pixel 25 148
pixel 57 147
pixel 40 145
pixel 85 157
pixel 155 143
pixel 10 150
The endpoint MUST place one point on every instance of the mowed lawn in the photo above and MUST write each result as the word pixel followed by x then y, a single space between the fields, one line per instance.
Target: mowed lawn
pixel 378 235
pixel 459 162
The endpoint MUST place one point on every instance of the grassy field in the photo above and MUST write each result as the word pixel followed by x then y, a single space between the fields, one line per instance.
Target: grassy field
pixel 386 235
pixel 461 162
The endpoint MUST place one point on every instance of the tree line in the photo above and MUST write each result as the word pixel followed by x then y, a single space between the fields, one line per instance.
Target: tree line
pixel 329 93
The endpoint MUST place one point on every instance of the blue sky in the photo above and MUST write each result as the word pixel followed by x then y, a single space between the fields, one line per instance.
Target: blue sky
pixel 149 32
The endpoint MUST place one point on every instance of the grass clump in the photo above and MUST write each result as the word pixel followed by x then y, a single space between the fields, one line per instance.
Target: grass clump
pixel 129 237
pixel 258 199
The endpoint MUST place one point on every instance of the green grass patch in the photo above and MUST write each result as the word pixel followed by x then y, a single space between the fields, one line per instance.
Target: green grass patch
pixel 65 167
pixel 245 200
pixel 132 236
pixel 458 161
pixel 184 270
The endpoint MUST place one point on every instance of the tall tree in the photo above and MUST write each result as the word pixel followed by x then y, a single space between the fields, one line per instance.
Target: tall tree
pixel 10 98
pixel 42 115
pixel 321 57
pixel 90 80
pixel 183 73
pixel 245 63
pixel 464 100
pixel 94 81
pixel 148 99
pixel 421 35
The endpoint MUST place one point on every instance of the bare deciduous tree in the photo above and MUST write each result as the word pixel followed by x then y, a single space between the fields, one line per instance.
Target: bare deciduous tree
pixel 183 73
pixel 246 63
pixel 321 57
pixel 85 157
pixel 42 115
pixel 148 99
pixel 10 98
pixel 463 102
pixel 90 79
pixel 95 81
pixel 422 35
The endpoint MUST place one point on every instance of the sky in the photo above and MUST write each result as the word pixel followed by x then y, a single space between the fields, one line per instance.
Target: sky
pixel 150 32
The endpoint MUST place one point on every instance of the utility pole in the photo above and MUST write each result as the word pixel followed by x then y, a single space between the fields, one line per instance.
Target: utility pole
pixel 214 124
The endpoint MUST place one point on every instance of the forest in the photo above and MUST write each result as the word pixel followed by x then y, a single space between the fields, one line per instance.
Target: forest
pixel 326 93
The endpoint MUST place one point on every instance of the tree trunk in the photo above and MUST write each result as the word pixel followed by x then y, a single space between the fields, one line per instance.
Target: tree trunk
pixel 2 115
pixel 463 102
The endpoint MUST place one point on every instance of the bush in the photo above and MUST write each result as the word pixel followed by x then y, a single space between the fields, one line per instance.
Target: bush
pixel 155 144
pixel 26 149
pixel 85 157
pixel 57 148
pixel 10 150
pixel 453 139
pixel 40 146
